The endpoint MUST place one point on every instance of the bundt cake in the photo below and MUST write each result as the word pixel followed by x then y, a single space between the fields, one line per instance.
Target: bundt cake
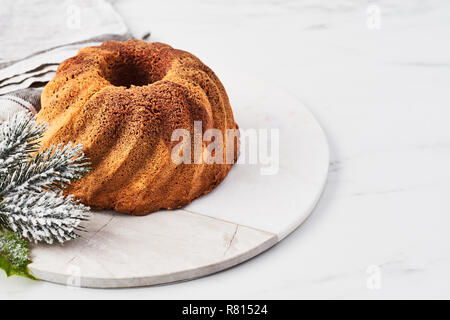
pixel 122 101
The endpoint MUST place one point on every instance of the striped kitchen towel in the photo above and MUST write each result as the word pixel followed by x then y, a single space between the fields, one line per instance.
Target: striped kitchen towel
pixel 20 100
pixel 37 35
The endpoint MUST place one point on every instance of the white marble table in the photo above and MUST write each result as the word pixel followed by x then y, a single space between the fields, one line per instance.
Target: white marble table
pixel 381 227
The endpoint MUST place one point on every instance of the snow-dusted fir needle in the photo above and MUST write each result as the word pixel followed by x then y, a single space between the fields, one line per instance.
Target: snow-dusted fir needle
pixel 18 140
pixel 50 169
pixel 31 183
pixel 42 217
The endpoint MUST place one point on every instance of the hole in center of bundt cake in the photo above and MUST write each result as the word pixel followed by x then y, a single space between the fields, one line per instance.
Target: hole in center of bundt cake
pixel 129 74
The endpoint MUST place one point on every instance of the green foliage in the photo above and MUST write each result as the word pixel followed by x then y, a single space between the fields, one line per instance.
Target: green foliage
pixel 14 255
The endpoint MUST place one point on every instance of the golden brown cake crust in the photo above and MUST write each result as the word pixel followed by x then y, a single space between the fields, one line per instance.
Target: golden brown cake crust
pixel 122 101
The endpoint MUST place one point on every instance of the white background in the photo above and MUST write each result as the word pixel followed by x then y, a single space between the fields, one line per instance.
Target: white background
pixel 382 96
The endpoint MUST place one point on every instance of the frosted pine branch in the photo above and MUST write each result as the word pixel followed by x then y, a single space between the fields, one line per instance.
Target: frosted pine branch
pixel 51 169
pixel 45 217
pixel 18 139
pixel 31 183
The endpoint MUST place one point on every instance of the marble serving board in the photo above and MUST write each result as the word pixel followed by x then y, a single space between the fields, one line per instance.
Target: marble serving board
pixel 244 216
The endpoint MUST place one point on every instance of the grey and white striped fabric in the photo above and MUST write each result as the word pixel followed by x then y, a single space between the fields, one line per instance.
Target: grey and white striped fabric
pixel 37 35
pixel 20 100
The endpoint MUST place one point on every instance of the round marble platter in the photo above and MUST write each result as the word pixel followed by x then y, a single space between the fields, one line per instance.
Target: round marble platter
pixel 256 206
